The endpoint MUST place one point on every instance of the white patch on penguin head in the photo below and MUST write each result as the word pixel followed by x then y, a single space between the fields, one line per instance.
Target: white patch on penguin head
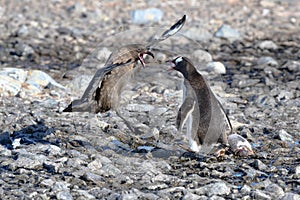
pixel 178 60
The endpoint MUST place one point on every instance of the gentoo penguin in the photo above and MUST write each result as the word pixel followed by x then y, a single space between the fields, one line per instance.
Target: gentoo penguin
pixel 104 90
pixel 201 111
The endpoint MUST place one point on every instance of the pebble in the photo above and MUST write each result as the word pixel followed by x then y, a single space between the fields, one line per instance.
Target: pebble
pixel 216 67
pixel 226 32
pixel 5 138
pixel 64 195
pixel 266 60
pixel 258 194
pixel 219 188
pixel 14 81
pixel 267 44
pixel 274 190
pixel 258 164
pixel 9 86
pixel 79 84
pixel 37 77
pixel 150 15
pixel 198 34
pixel 201 56
pixel 23 31
pixel 297 170
pixel 284 136
pixel 292 65
pixel 290 196
pixel 139 107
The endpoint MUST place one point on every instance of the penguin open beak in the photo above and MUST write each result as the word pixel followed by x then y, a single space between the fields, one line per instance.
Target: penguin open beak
pixel 141 57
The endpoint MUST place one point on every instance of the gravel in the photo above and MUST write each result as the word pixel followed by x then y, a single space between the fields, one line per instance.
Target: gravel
pixel 45 49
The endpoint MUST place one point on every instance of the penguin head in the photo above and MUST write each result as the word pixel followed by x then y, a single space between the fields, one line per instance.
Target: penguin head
pixel 183 65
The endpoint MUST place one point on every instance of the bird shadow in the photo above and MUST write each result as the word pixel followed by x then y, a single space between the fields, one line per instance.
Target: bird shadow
pixel 32 134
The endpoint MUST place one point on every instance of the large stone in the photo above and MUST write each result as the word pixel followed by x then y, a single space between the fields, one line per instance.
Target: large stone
pixel 146 16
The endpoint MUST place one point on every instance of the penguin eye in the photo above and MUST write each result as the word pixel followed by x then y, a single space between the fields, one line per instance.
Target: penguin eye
pixel 178 60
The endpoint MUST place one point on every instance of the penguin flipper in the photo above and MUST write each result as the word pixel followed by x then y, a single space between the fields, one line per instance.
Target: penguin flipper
pixel 184 112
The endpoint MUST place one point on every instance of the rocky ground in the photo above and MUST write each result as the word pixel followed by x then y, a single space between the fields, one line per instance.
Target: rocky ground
pixel 46 59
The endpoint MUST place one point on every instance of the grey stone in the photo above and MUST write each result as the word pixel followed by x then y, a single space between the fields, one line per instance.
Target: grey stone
pixel 297 170
pixel 23 31
pixel 216 67
pixel 292 65
pixel 257 164
pixel 39 78
pixel 60 186
pixel 47 182
pixel 226 32
pixel 95 178
pixel 84 194
pixel 290 196
pixel 284 136
pixel 64 195
pixel 95 165
pixel 266 60
pixel 274 190
pixel 146 16
pixel 246 189
pixel 79 84
pixel 15 73
pixel 103 54
pixel 139 107
pixel 219 188
pixel 267 44
pixel 5 138
pixel 201 56
pixel 9 86
pixel 258 194
pixel 190 196
pixel 198 33
pixel 111 170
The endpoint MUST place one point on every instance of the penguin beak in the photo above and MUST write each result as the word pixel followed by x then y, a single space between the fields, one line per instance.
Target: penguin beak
pixel 141 57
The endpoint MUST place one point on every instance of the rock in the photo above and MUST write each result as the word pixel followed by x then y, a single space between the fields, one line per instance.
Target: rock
pixel 139 107
pixel 95 178
pixel 258 194
pixel 150 15
pixel 24 50
pixel 103 54
pixel 216 67
pixel 246 189
pixel 274 190
pixel 219 188
pixel 111 170
pixel 198 33
pixel 39 78
pixel 257 164
pixel 79 84
pixel 267 44
pixel 290 196
pixel 23 31
pixel 200 56
pixel 64 195
pixel 292 65
pixel 5 138
pixel 226 32
pixel 266 60
pixel 191 196
pixel 284 136
pixel 297 170
pixel 95 165
pixel 9 86
pixel 15 73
